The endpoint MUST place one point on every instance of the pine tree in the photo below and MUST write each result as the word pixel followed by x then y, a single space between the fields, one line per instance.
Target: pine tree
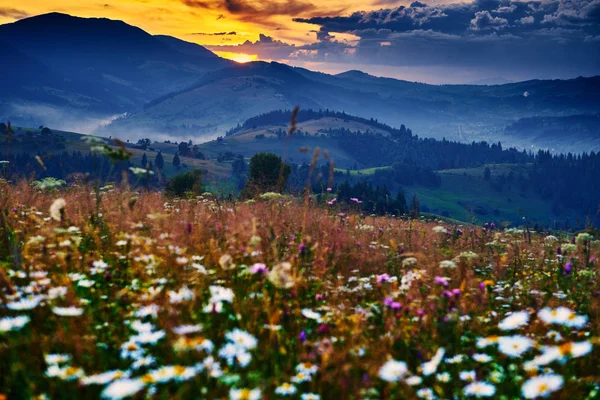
pixel 159 161
pixel 487 174
pixel 144 161
pixel 176 160
pixel 414 208
pixel 401 201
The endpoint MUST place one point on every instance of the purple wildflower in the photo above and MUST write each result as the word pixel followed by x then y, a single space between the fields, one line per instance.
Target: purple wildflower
pixel 259 268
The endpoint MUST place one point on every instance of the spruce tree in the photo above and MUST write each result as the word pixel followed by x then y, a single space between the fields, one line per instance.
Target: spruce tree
pixel 159 161
pixel 414 208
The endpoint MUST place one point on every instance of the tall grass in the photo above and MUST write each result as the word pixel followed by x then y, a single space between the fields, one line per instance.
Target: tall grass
pixel 343 293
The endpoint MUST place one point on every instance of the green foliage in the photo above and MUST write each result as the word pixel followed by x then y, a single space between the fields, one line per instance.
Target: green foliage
pixel 268 173
pixel 49 183
pixel 182 184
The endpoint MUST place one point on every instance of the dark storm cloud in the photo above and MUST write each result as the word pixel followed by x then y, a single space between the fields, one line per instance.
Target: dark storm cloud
pixel 268 48
pixel 551 36
pixel 12 13
pixel 214 34
pixel 255 8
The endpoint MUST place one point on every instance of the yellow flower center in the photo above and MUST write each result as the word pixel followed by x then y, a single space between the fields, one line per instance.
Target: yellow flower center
pixel 179 369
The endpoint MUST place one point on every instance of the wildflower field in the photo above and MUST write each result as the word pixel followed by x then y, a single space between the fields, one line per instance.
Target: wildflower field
pixel 113 293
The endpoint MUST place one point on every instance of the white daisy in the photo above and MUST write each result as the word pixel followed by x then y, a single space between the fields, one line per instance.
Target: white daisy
pixel 514 321
pixel 479 389
pixel 122 388
pixel 514 346
pixel 286 389
pixel 187 329
pixel 431 366
pixel 541 386
pixel 13 323
pixel 67 311
pixel 467 376
pixel 393 370
pixel 482 357
pixel 244 394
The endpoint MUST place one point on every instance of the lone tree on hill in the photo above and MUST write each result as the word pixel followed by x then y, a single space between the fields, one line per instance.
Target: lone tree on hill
pixel 144 161
pixel 187 183
pixel 176 160
pixel 159 161
pixel 267 173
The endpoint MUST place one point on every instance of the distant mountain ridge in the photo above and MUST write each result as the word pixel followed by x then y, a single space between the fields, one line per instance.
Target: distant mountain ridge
pixel 164 85
pixel 98 64
pixel 224 98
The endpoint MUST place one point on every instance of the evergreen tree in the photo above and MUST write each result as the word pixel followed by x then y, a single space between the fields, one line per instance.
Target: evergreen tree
pixel 414 208
pixel 144 161
pixel 401 202
pixel 176 160
pixel 487 174
pixel 159 161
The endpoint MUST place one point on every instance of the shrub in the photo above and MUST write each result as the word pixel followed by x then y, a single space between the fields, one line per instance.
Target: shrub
pixel 181 184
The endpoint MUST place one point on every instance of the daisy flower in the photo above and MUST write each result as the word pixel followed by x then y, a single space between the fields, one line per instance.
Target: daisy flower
pixel 286 389
pixel 514 321
pixel 122 388
pixel 431 366
pixel 300 377
pixel 13 323
pixel 413 380
pixel 244 394
pixel 467 376
pixel 67 311
pixel 479 389
pixel 242 339
pixel 393 370
pixel 187 329
pixel 481 357
pixel 514 346
pixel 541 386
pixel 310 314
pixel 307 368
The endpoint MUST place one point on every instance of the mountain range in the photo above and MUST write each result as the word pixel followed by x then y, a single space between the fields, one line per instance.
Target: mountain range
pixel 62 69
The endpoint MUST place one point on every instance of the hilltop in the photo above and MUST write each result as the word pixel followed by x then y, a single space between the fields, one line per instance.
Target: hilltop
pixel 91 66
pixel 84 73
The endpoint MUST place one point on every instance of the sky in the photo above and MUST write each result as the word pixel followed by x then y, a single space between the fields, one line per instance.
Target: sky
pixel 434 42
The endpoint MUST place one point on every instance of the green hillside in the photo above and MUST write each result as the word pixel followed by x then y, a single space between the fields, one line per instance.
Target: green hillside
pixel 31 140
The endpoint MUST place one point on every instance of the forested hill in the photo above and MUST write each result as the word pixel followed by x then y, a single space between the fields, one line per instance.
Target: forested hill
pixel 369 143
pixel 282 118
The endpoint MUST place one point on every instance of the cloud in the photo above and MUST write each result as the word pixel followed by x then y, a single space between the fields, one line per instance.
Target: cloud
pixel 214 34
pixel 522 38
pixel 506 9
pixel 483 20
pixel 255 8
pixel 268 48
pixel 526 20
pixel 13 13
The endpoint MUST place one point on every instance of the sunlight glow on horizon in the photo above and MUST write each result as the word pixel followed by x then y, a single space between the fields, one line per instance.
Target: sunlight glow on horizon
pixel 241 58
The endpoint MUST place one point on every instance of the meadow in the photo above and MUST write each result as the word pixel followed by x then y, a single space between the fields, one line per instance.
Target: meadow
pixel 113 292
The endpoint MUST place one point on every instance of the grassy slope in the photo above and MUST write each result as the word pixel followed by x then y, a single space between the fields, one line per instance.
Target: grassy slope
pixel 216 171
pixel 462 190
